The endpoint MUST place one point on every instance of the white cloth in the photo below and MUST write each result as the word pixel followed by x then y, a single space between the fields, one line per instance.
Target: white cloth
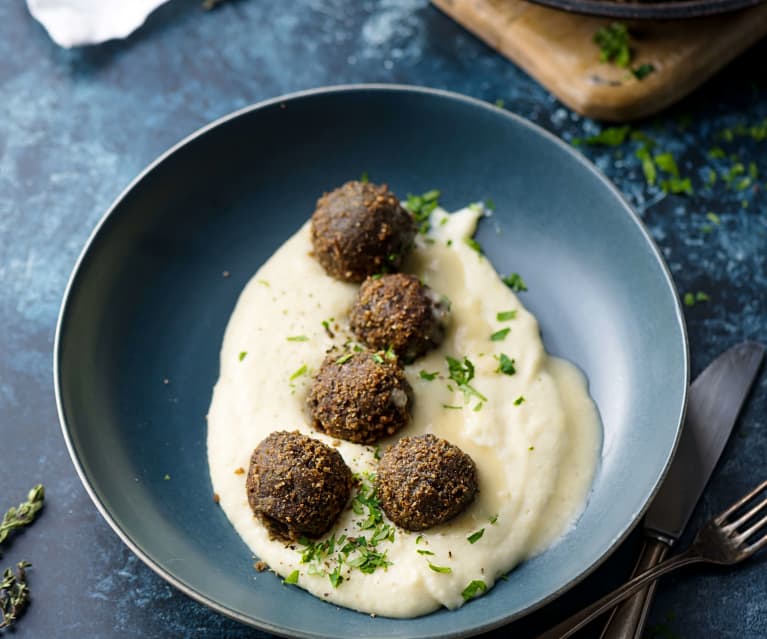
pixel 76 22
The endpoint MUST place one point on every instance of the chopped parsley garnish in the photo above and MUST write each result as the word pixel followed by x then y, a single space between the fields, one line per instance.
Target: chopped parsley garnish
pixel 335 576
pixel 419 539
pixel 531 448
pixel 427 376
pixel 421 206
pixel 473 244
pixel 493 519
pixel 613 43
pixel 243 355
pixel 667 162
pixel 691 299
pixel 299 372
pixel 424 552
pixel 648 166
pixel 676 185
pixel 326 326
pixel 713 217
pixel 377 452
pixel 610 136
pixel 377 358
pixel 505 316
pixel 292 578
pixel 642 71
pixel 499 336
pixel 298 338
pixel 474 537
pixel 462 374
pixel 717 153
pixel 361 552
pixel 478 407
pixel 451 407
pixel 443 569
pixel 505 365
pixel 519 400
pixel 475 588
pixel 499 103
pixel 364 178
pixel 515 282
pixel 753 171
pixel 345 358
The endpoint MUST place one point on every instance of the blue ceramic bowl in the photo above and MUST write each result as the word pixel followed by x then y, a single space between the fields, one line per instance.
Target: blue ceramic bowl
pixel 142 323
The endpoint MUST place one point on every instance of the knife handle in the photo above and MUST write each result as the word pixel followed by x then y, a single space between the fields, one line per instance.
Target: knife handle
pixel 628 618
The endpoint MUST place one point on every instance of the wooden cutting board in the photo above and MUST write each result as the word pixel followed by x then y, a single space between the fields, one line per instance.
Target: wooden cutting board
pixel 557 49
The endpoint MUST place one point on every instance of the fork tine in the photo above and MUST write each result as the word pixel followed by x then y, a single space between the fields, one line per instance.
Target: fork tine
pixel 759 524
pixel 756 546
pixel 749 515
pixel 719 519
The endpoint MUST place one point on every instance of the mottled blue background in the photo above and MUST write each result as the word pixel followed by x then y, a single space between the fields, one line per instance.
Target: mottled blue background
pixel 78 125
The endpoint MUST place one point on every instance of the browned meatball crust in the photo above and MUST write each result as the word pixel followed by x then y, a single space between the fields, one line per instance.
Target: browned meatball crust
pixel 360 229
pixel 360 396
pixel 424 481
pixel 400 312
pixel 296 485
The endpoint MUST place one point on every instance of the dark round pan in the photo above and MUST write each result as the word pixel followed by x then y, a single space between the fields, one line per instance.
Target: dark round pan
pixel 665 9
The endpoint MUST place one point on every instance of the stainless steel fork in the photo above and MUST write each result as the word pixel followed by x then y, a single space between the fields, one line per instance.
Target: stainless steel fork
pixel 722 541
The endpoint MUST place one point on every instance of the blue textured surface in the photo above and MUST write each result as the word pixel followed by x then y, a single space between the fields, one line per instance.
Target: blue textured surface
pixel 78 125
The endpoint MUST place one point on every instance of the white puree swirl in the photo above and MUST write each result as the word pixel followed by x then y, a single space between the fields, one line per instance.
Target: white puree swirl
pixel 536 458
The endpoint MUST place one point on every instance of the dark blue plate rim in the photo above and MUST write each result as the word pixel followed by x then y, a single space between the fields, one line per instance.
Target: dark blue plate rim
pixel 265 625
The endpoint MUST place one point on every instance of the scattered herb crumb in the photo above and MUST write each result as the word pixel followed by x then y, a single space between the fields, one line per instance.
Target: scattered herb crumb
pixel 424 552
pixel 243 355
pixel 421 206
pixel 500 103
pixel 691 299
pixel 298 338
pixel 515 282
pixel 446 570
pixel 364 178
pixel 499 336
pixel 292 578
pixel 505 316
pixel 427 376
pixel 299 372
pixel 519 400
pixel 462 374
pixel 473 244
pixel 475 588
pixel 345 358
pixel 493 519
pixel 167 477
pixel 505 365
pixel 613 43
pixel 474 537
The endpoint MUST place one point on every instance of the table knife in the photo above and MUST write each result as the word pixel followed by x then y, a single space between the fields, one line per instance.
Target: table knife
pixel 713 403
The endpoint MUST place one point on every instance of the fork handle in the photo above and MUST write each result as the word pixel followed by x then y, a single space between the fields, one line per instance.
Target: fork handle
pixel 572 624
pixel 628 619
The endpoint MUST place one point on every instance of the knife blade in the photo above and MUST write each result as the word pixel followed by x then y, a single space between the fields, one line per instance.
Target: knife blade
pixel 714 401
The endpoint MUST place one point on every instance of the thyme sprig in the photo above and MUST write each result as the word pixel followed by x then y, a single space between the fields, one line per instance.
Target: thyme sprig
pixel 14 594
pixel 23 514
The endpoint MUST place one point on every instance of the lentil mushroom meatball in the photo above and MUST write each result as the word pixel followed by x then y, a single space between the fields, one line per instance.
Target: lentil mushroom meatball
pixel 360 396
pixel 360 229
pixel 424 481
pixel 400 312
pixel 297 485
